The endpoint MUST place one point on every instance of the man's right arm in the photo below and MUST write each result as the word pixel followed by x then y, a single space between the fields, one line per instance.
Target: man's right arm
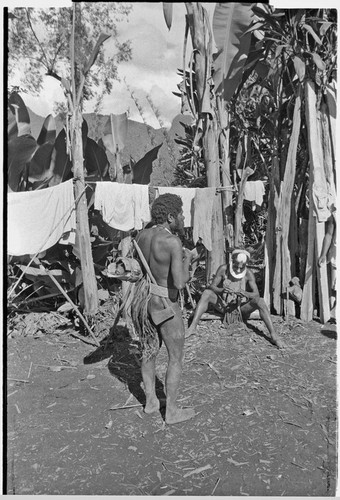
pixel 179 264
pixel 217 280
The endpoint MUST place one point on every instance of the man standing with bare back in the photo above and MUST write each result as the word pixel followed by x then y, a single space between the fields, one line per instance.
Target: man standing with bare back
pixel 169 264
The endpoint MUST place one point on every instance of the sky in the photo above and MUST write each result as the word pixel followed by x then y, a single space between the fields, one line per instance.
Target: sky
pixel 156 56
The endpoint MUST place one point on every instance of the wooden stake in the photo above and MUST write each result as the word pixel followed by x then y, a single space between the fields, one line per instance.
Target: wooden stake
pixel 57 284
pixel 322 277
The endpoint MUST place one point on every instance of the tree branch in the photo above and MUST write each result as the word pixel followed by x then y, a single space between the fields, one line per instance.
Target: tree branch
pixel 37 39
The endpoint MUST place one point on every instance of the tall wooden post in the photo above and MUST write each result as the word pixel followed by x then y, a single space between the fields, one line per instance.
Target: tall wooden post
pixel 203 57
pixel 317 205
pixel 83 230
pixel 210 148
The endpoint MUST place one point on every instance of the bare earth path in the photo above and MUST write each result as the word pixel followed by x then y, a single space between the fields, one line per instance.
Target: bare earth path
pixel 265 424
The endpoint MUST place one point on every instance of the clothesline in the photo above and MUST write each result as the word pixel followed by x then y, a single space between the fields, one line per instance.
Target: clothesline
pixel 34 216
pixel 218 188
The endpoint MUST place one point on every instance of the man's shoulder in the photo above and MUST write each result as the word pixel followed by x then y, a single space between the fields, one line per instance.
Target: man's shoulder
pixel 222 268
pixel 250 274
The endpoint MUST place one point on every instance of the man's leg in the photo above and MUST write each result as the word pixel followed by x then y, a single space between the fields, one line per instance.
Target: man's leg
pixel 260 304
pixel 172 332
pixel 148 369
pixel 207 297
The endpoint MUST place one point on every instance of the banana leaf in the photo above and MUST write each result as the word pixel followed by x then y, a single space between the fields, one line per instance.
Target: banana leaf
pixel 142 170
pixel 48 131
pixel 19 153
pixel 12 127
pixel 231 22
pixel 18 108
pixel 101 39
pixel 167 11
pixel 40 163
pixel 63 166
pixel 96 161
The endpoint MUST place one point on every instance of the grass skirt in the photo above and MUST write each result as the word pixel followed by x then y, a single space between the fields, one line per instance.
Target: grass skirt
pixel 145 328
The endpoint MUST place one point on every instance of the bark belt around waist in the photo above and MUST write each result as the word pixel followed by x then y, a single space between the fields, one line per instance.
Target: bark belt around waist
pixel 158 317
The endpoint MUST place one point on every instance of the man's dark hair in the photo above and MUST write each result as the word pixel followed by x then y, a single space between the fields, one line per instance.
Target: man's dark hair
pixel 166 204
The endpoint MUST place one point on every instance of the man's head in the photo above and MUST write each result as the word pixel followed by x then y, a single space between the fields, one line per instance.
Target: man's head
pixel 168 208
pixel 238 263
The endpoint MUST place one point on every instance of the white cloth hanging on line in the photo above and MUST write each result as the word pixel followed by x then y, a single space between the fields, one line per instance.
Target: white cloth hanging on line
pixel 123 206
pixel 254 191
pixel 37 220
pixel 203 211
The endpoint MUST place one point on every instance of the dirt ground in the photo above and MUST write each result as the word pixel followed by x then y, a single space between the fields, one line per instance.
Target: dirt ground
pixel 265 423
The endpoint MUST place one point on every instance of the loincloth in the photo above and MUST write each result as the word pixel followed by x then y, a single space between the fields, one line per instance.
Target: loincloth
pixel 228 304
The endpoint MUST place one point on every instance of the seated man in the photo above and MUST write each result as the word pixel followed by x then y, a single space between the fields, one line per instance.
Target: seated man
pixel 234 289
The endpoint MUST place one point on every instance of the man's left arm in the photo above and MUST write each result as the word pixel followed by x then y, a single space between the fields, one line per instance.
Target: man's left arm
pixel 251 292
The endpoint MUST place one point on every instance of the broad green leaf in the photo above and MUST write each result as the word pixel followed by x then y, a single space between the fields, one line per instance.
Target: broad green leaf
pixel 312 32
pixel 20 111
pixel 62 168
pixel 167 11
pixel 324 27
pixel 300 67
pixel 48 131
pixel 96 162
pixel 102 38
pixel 19 153
pixel 318 61
pixel 40 162
pixel 142 170
pixel 12 128
pixel 231 22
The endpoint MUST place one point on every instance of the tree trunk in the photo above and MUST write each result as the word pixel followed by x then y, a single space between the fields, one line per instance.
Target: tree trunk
pixel 202 45
pixel 83 230
pixel 125 247
pixel 224 155
pixel 246 172
pixel 282 274
pixel 318 203
pixel 210 148
pixel 273 227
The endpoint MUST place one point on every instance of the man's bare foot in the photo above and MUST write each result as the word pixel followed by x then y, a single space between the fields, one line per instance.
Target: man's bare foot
pixel 179 415
pixel 191 331
pixel 152 406
pixel 279 343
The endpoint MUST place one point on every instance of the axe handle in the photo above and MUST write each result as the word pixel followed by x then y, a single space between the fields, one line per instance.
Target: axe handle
pixel 147 268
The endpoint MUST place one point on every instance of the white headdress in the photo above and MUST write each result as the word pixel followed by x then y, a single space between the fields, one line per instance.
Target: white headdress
pixel 242 257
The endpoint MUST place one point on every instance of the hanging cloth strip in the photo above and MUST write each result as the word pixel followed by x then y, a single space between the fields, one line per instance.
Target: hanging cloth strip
pixel 123 206
pixel 254 191
pixel 203 210
pixel 37 220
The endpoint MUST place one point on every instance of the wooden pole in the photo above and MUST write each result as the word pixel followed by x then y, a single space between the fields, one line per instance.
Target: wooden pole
pixel 307 304
pixel 322 277
pixel 318 199
pixel 83 230
pixel 125 247
pixel 202 44
pixel 210 148
pixel 246 172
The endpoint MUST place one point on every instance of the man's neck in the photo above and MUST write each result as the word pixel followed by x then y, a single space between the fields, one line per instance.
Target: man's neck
pixel 165 226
